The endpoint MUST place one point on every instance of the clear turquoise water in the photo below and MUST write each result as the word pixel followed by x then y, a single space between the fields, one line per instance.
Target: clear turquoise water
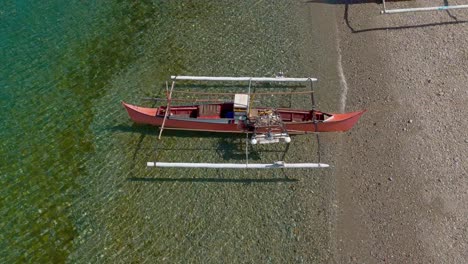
pixel 74 185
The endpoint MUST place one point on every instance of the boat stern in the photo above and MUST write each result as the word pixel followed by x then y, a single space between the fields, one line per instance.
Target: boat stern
pixel 142 115
pixel 342 122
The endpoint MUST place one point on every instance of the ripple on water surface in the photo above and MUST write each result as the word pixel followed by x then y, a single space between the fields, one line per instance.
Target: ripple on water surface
pixel 75 180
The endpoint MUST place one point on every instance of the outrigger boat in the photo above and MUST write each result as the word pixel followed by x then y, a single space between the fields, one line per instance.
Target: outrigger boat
pixel 264 124
pixel 223 117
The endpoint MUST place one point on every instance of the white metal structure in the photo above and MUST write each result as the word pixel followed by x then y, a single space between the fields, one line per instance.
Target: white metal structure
pixel 420 9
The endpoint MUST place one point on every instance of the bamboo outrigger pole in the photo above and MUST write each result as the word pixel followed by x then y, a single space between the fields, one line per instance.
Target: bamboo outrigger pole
pixel 253 79
pixel 276 165
pixel 168 108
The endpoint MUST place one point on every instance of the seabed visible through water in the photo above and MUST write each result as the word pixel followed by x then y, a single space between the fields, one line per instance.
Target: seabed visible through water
pixel 74 182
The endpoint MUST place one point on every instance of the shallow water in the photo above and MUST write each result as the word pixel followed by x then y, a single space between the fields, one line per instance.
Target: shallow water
pixel 73 176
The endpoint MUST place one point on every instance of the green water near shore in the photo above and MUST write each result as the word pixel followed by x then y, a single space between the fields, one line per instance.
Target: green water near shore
pixel 73 176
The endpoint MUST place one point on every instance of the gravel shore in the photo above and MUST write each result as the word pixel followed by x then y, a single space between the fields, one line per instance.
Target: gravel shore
pixel 402 180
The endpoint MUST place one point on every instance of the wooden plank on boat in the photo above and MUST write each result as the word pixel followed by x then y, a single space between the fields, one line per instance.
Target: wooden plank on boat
pixel 276 165
pixel 239 79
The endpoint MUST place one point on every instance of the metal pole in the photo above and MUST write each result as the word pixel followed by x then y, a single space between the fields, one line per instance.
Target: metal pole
pixel 314 120
pixel 312 94
pixel 167 89
pixel 247 149
pixel 318 146
pixel 248 99
pixel 245 122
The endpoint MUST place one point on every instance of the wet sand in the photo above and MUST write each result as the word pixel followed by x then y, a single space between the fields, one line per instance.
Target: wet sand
pixel 401 173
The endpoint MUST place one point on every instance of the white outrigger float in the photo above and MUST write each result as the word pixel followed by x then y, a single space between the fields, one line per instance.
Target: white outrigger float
pixel 276 165
pixel 264 125
pixel 420 9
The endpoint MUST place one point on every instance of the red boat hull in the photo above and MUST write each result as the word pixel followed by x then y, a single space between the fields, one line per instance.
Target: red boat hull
pixel 153 116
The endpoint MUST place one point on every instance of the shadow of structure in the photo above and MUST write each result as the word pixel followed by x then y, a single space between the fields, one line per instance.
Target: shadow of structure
pixel 347 4
pixel 143 130
pixel 343 2
pixel 245 85
pixel 229 146
pixel 212 180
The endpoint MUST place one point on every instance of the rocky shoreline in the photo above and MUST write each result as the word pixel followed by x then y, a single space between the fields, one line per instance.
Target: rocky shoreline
pixel 402 182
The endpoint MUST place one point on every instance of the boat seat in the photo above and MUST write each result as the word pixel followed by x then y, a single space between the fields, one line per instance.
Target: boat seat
pixel 209 111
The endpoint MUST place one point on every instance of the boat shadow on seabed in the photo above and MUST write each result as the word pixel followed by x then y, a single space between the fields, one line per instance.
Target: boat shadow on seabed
pixel 212 180
pixel 229 147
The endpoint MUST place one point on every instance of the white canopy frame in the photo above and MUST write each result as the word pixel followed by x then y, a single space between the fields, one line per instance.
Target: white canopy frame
pixel 420 9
